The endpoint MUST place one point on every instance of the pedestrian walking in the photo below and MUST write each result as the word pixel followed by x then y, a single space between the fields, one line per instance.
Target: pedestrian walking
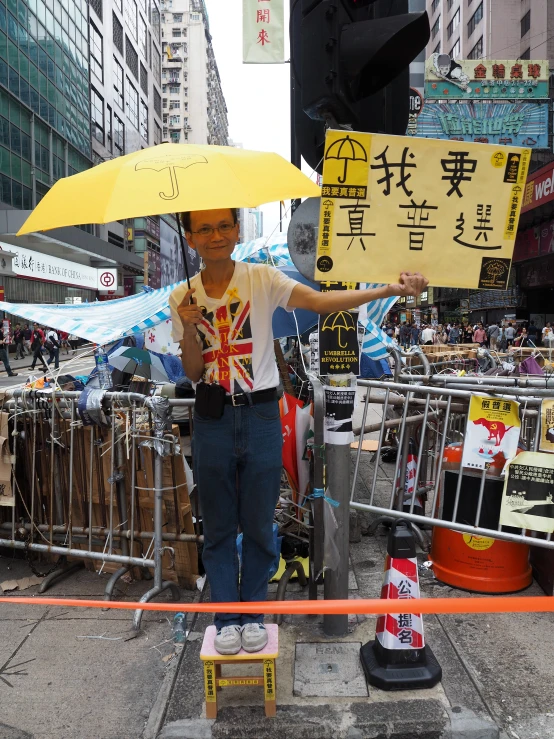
pixel 73 341
pixel 27 337
pixel 547 336
pixel 64 341
pixel 468 334
pixel 237 442
pixel 37 341
pixel 510 334
pixel 4 343
pixel 479 335
pixel 493 332
pixel 52 344
pixel 414 335
pixel 19 338
pixel 427 335
pixel 405 335
pixel 454 334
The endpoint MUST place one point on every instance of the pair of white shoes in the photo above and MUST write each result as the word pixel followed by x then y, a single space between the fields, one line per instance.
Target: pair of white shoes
pixel 231 639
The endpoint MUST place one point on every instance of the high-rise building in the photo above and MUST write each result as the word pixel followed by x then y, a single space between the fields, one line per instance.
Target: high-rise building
pixel 194 109
pixel 491 29
pixel 45 134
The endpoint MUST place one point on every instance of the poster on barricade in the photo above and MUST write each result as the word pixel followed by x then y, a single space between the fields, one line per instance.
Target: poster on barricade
pixel 547 426
pixel 339 347
pixel 392 203
pixel 528 497
pixel 493 427
pixel 6 494
pixel 339 409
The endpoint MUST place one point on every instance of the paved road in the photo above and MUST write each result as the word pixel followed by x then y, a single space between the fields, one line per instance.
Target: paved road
pixel 80 363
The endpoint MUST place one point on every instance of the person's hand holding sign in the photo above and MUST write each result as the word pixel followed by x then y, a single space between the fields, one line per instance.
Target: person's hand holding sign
pixel 189 313
pixel 410 283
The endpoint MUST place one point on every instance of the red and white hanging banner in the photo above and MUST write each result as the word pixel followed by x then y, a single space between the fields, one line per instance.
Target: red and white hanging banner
pixel 263 31
pixel 400 630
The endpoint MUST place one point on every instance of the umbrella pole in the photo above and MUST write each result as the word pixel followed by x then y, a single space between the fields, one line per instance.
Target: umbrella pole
pixel 182 240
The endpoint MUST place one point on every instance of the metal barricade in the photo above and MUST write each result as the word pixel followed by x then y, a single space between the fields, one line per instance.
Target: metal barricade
pixel 106 487
pixel 432 411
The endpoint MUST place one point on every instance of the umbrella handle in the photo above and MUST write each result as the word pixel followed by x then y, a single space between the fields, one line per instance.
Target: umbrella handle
pixel 182 242
pixel 342 179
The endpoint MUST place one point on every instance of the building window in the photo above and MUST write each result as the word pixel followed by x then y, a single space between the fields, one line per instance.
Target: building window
pixel 156 62
pixel 174 89
pixel 449 4
pixel 434 5
pixel 176 33
pixel 143 38
pixel 437 49
pixel 175 105
pixel 144 120
pixel 525 23
pixel 454 23
pixel 526 54
pixel 186 107
pixel 155 19
pixel 165 102
pixel 131 57
pixel 174 120
pixel 97 115
pixel 455 50
pixel 118 134
pixel 177 17
pixel 436 28
pixel 109 133
pixel 96 5
pixel 477 51
pixel 474 20
pixel 131 17
pixel 144 79
pixel 96 56
pixel 117 33
pixel 175 136
pixel 157 102
pixel 157 134
pixel 118 82
pixel 131 103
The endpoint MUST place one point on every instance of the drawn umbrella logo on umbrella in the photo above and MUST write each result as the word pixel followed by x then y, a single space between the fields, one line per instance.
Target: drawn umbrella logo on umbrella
pixel 171 163
pixel 341 321
pixel 347 150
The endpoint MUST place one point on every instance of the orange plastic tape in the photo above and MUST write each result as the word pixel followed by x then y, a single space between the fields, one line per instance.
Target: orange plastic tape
pixel 536 604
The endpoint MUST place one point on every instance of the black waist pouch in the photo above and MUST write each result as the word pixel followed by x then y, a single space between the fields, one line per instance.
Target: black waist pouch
pixel 210 400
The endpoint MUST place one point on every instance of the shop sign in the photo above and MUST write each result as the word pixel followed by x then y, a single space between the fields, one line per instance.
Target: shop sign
pixel 485 79
pixel 516 124
pixel 535 241
pixel 152 228
pixel 539 188
pixel 35 265
pixel 416 106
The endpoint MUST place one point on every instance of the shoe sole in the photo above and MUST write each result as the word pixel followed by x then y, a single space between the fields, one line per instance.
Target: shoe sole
pixel 254 649
pixel 227 651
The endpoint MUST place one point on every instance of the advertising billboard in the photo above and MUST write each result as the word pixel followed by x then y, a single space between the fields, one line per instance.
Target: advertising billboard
pixel 486 122
pixel 485 79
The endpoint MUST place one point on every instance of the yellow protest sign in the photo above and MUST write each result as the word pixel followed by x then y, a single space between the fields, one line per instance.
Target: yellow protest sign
pixel 448 209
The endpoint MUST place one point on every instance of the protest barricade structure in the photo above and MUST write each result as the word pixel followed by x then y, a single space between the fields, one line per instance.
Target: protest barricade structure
pixel 98 479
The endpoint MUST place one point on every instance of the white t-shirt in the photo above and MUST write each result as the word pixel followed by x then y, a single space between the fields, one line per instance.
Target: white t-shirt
pixel 547 334
pixel 427 334
pixel 236 334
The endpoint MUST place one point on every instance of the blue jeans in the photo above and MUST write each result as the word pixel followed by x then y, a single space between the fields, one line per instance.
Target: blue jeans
pixel 237 467
pixel 55 357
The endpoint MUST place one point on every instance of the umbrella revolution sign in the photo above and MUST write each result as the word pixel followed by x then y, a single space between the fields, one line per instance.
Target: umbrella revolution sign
pixel 392 203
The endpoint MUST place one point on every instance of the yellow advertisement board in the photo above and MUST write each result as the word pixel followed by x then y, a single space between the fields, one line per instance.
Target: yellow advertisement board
pixel 448 209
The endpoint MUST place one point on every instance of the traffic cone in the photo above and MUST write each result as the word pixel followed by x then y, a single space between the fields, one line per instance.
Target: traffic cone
pixel 398 659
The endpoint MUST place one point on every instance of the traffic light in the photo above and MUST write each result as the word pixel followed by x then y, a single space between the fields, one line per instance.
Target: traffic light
pixel 351 63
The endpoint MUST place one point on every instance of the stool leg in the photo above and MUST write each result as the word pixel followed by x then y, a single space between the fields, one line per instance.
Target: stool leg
pixel 270 687
pixel 210 689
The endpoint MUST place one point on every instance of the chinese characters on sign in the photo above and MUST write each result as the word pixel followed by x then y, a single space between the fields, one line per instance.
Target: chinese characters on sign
pixel 263 28
pixel 495 122
pixel 528 498
pixel 492 428
pixel 447 78
pixel 392 203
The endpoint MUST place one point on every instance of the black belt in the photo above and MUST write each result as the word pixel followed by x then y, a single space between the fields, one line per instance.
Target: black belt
pixel 260 396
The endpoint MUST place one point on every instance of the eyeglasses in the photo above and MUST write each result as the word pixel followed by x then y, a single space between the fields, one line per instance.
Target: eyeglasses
pixel 225 229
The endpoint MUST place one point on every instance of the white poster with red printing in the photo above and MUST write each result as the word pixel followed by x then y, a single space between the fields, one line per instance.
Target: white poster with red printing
pixel 263 31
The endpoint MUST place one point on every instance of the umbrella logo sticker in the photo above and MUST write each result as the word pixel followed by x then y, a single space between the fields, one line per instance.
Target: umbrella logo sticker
pixel 346 150
pixel 341 321
pixel 171 164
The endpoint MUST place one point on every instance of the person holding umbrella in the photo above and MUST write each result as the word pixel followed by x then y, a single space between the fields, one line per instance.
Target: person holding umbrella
pixel 223 324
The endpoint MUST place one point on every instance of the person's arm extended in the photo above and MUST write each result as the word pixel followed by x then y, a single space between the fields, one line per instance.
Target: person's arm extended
pixel 191 352
pixel 305 297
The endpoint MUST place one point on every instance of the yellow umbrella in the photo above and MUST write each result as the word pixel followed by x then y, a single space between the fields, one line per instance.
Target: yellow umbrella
pixel 169 178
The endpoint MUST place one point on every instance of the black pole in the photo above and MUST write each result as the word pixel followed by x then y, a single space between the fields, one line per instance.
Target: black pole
pixel 182 240
pixel 295 156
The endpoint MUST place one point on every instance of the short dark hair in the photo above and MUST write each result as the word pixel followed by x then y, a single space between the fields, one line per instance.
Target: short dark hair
pixel 185 219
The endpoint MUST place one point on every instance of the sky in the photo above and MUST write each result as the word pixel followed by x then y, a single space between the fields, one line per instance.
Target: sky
pixel 257 95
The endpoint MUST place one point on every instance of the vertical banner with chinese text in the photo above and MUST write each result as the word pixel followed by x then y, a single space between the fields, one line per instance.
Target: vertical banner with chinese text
pixel 263 31
pixel 448 209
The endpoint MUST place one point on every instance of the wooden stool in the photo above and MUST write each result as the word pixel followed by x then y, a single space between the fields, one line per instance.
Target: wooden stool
pixel 212 669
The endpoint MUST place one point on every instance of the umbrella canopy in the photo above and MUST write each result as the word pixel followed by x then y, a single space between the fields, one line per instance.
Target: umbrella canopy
pixel 137 361
pixel 169 178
